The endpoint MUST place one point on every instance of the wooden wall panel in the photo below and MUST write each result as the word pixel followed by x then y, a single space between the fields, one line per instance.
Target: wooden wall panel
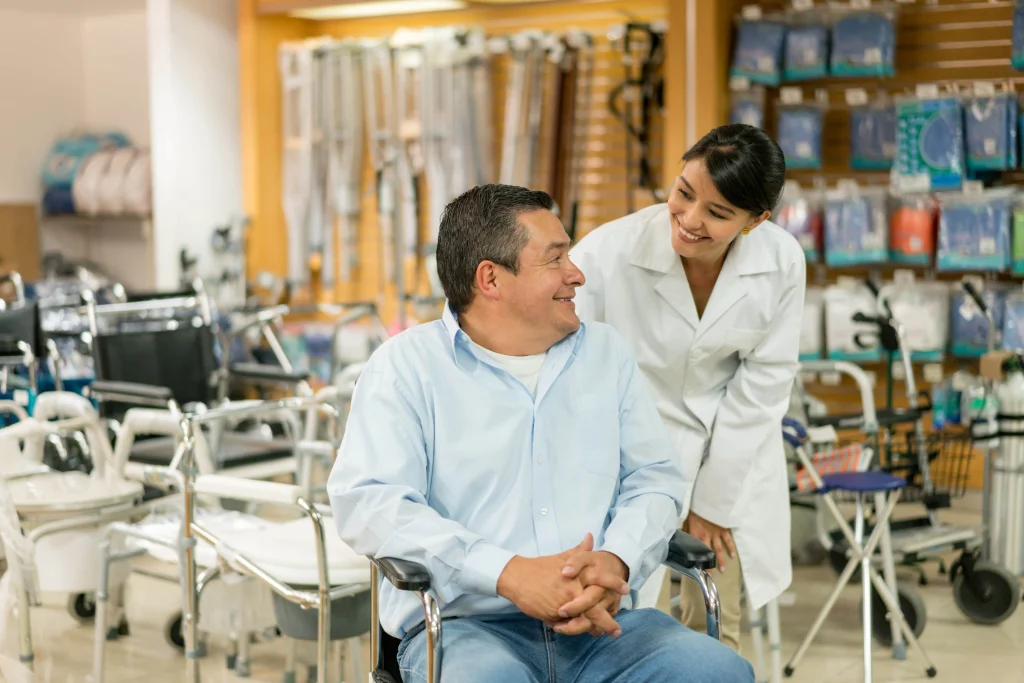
pixel 19 240
pixel 604 191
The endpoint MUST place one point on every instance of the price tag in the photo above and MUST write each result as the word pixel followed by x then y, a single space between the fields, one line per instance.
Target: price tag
pixel 847 282
pixel 856 97
pixel 933 372
pixel 925 90
pixel 791 95
pixel 21 397
pixel 739 84
pixel 860 4
pixel 803 149
pixel 973 188
pixel 984 89
pixel 898 371
pixel 751 12
pixel 830 379
pixel 847 185
pixel 903 277
pixel 809 377
pixel 987 246
pixel 873 55
pixel 801 5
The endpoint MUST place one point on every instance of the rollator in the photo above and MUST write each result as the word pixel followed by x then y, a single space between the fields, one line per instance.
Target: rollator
pixel 847 471
pixel 59 516
pixel 686 555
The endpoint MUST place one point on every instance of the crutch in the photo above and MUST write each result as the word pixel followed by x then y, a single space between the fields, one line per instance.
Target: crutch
pixel 296 68
pixel 344 130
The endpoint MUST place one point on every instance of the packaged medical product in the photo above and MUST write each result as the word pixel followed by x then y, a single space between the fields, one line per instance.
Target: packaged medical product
pixel 807 45
pixel 921 308
pixel 747 106
pixel 912 229
pixel 856 225
pixel 991 130
pixel 969 332
pixel 929 144
pixel 800 214
pixel 842 302
pixel 863 42
pixel 873 136
pixel 812 342
pixel 974 230
pixel 799 134
pixel 757 54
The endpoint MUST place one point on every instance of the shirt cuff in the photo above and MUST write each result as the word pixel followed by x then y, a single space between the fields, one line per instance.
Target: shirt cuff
pixel 630 555
pixel 484 564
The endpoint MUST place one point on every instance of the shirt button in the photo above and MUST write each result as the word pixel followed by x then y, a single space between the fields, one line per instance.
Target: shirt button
pixel 544 511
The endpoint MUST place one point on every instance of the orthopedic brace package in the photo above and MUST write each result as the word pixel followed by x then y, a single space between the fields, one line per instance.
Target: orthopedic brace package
pixel 856 225
pixel 912 228
pixel 800 214
pixel 1017 257
pixel 1013 322
pixel 799 134
pixel 974 230
pixel 969 333
pixel 991 131
pixel 1017 58
pixel 922 308
pixel 757 51
pixel 807 43
pixel 842 302
pixel 811 342
pixel 929 144
pixel 864 41
pixel 873 136
pixel 747 106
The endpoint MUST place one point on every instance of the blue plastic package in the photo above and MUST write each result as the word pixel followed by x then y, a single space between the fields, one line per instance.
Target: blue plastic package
pixel 991 132
pixel 969 334
pixel 929 145
pixel 757 54
pixel 799 214
pixel 1017 58
pixel 806 53
pixel 799 135
pixel 864 44
pixel 747 107
pixel 1013 323
pixel 974 230
pixel 856 227
pixel 872 137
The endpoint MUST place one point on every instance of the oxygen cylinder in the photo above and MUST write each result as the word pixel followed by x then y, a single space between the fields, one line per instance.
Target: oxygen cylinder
pixel 1006 521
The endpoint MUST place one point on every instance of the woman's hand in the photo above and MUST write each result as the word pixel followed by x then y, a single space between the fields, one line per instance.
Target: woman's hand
pixel 717 538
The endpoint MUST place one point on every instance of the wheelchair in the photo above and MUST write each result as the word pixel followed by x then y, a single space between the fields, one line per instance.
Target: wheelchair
pixel 686 555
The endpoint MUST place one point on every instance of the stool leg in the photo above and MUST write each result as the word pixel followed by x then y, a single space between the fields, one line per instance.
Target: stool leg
pixel 865 568
pixel 894 608
pixel 899 648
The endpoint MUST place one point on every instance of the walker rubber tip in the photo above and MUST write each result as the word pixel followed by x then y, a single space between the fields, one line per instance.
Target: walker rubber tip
pixel 788 671
pixel 932 673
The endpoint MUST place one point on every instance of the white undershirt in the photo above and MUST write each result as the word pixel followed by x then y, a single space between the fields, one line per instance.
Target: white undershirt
pixel 524 368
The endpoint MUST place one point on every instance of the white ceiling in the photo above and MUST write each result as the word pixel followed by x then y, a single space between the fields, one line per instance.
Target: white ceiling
pixel 73 7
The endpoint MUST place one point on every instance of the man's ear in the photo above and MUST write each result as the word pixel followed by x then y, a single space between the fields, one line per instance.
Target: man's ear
pixel 486 280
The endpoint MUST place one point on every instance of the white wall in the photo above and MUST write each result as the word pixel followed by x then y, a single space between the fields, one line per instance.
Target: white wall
pixel 194 105
pixel 42 95
pixel 116 73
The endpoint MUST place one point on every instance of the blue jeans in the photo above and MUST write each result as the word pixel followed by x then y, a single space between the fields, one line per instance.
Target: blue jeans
pixel 514 648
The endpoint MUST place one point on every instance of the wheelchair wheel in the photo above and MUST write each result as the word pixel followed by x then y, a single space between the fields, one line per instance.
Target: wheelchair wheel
pixel 82 607
pixel 173 633
pixel 989 596
pixel 913 610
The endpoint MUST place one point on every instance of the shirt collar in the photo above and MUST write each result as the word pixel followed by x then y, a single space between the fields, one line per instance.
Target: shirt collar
pixel 451 325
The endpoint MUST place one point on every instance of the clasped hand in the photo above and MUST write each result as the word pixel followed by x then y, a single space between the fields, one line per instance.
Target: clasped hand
pixel 577 591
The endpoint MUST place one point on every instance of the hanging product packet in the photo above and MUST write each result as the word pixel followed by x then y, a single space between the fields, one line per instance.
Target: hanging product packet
pixel 842 302
pixel 799 134
pixel 974 229
pixel 991 129
pixel 1017 267
pixel 921 308
pixel 873 136
pixel 757 51
pixel 806 46
pixel 856 225
pixel 863 41
pixel 812 343
pixel 1017 55
pixel 1013 322
pixel 912 228
pixel 747 104
pixel 800 214
pixel 929 143
pixel 969 330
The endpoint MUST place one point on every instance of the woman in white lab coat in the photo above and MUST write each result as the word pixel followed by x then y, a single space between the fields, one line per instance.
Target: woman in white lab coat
pixel 710 294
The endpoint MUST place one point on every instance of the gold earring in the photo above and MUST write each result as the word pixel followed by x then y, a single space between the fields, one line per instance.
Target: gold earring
pixel 745 231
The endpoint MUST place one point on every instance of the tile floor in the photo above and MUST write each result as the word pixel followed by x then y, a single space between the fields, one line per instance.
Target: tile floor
pixel 960 650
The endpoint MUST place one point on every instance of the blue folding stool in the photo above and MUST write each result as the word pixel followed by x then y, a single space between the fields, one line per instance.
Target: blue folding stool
pixel 885 488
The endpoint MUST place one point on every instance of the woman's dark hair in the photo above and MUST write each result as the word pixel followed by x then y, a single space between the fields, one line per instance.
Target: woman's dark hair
pixel 746 165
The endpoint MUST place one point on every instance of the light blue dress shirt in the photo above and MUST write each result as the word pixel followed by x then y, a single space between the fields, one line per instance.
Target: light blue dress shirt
pixel 450 462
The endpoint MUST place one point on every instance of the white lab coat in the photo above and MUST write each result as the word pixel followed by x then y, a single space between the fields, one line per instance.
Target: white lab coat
pixel 722 382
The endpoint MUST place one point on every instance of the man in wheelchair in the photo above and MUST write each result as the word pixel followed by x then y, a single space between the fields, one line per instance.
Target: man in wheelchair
pixel 518 456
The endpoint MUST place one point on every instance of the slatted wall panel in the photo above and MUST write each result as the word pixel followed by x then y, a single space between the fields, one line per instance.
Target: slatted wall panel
pixel 604 186
pixel 944 42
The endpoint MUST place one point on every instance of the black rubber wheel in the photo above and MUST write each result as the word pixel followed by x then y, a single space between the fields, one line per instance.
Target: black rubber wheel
pixel 990 597
pixel 174 635
pixel 82 607
pixel 913 610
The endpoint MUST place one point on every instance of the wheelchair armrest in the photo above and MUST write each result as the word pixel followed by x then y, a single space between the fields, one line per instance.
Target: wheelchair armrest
pixel 686 552
pixel 268 373
pixel 404 575
pixel 129 390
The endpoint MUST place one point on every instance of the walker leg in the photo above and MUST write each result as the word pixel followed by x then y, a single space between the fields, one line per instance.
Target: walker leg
pixel 757 630
pixel 100 620
pixel 865 567
pixel 894 609
pixel 774 640
pixel 899 648
pixel 25 622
